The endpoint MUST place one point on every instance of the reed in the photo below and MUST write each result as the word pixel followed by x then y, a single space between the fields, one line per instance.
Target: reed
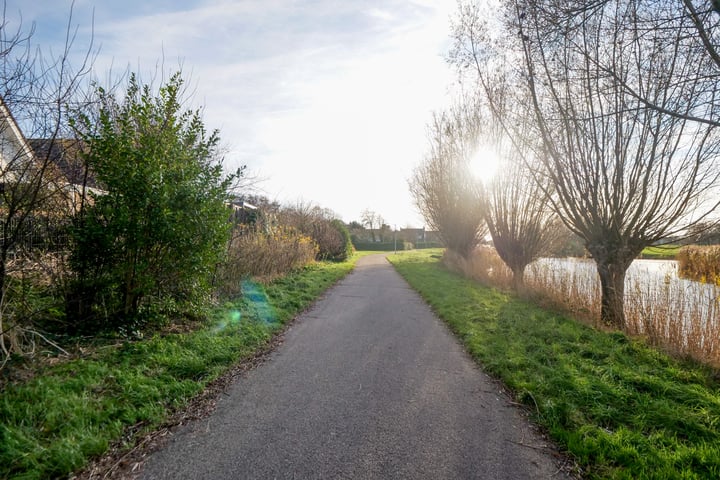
pixel 484 265
pixel 264 255
pixel 700 263
pixel 680 316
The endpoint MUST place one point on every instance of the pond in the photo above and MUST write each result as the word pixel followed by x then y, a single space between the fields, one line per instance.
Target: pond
pixel 646 275
pixel 656 298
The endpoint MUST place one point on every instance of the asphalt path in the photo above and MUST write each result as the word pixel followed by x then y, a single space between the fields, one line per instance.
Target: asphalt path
pixel 368 384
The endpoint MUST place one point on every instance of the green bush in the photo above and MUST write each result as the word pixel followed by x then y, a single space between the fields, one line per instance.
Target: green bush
pixel 160 228
pixel 345 249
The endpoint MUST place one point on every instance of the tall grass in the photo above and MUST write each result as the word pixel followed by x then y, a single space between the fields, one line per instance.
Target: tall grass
pixel 264 253
pixel 680 316
pixel 484 265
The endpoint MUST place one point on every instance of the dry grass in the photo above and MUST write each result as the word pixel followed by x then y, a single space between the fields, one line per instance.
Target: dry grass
pixel 680 316
pixel 30 298
pixel 573 290
pixel 265 255
pixel 700 263
pixel 484 266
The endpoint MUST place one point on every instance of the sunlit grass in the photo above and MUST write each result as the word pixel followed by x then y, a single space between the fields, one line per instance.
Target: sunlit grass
pixel 679 316
pixel 53 424
pixel 620 408
pixel 661 252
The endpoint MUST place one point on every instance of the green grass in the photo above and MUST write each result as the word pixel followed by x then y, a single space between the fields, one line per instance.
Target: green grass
pixel 664 252
pixel 620 408
pixel 53 424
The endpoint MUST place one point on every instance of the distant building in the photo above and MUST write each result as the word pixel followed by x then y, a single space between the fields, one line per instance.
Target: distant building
pixel 419 235
pixel 15 153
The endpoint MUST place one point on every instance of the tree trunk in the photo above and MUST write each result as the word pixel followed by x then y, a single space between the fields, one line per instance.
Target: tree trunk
pixel 612 287
pixel 518 278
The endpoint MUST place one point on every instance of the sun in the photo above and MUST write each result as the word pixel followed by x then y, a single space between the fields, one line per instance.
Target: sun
pixel 484 164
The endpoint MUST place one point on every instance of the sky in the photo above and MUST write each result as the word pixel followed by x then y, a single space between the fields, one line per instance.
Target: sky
pixel 325 101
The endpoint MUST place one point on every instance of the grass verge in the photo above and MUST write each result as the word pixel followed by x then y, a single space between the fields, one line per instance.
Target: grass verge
pixel 54 423
pixel 620 408
pixel 663 252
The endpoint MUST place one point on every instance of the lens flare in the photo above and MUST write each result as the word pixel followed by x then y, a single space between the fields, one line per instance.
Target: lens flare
pixel 258 302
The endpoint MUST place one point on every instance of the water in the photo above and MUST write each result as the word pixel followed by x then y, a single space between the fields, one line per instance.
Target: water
pixel 653 290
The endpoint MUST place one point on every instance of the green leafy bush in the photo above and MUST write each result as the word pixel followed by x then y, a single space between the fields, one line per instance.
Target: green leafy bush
pixel 161 225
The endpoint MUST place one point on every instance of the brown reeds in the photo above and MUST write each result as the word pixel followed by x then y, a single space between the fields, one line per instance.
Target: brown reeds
pixel 700 263
pixel 254 252
pixel 680 316
pixel 484 265
pixel 569 285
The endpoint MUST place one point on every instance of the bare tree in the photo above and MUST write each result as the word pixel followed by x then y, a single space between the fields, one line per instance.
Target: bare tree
pixel 321 224
pixel 37 93
pixel 370 219
pixel 522 224
pixel 618 110
pixel 449 197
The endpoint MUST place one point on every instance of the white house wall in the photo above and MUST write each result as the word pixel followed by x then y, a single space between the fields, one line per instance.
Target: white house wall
pixel 13 146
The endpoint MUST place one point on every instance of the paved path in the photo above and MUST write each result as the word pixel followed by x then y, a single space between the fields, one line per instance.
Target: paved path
pixel 368 384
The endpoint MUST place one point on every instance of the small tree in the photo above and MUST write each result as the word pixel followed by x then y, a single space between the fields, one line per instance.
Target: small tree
pixel 159 230
pixel 446 193
pixel 36 90
pixel 522 225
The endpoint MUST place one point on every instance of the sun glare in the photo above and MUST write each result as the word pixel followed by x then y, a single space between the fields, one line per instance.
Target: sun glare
pixel 484 164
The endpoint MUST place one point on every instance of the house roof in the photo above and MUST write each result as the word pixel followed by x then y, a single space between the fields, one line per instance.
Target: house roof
pixel 65 154
pixel 62 153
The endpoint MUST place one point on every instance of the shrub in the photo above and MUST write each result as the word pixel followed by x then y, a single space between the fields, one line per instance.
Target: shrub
pixel 330 241
pixel 345 248
pixel 322 226
pixel 257 253
pixel 161 226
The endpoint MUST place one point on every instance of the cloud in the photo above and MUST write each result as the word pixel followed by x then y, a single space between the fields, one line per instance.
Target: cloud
pixel 327 98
